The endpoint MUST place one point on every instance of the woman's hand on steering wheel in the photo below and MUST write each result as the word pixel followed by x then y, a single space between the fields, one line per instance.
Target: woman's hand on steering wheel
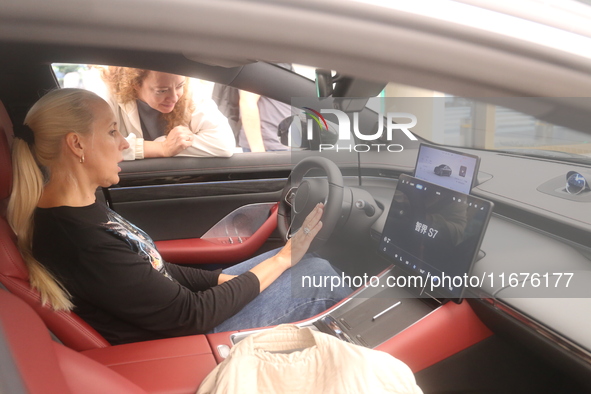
pixel 297 246
pixel 300 195
pixel 293 251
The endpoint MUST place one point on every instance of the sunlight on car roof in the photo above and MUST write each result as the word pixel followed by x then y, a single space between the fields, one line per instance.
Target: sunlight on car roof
pixel 305 71
pixel 527 29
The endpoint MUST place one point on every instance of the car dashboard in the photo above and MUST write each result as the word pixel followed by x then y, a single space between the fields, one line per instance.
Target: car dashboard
pixel 535 264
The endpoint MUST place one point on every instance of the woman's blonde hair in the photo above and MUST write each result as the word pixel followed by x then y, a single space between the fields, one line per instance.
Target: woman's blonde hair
pixel 56 114
pixel 123 83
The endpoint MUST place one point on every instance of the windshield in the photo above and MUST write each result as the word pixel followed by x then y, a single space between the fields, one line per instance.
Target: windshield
pixel 519 125
pixel 475 124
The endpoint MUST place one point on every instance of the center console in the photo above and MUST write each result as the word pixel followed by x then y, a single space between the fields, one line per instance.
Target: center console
pixel 421 333
pixel 370 316
pixel 375 315
pixel 432 237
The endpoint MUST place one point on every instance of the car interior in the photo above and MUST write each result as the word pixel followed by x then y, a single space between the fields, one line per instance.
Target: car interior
pixel 489 339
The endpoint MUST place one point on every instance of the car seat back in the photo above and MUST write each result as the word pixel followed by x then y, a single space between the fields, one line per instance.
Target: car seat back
pixel 45 366
pixel 5 161
pixel 68 327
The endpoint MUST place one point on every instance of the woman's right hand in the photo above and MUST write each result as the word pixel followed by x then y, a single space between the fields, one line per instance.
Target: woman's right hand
pixel 297 246
pixel 293 251
pixel 177 140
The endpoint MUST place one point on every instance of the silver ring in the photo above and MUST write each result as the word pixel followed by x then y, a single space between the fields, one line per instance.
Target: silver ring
pixel 306 230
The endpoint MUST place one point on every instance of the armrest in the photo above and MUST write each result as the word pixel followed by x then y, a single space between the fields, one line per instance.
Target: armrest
pixel 173 365
pixel 201 251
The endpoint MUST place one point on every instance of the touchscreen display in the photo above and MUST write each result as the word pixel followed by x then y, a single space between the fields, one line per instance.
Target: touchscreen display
pixel 447 168
pixel 435 233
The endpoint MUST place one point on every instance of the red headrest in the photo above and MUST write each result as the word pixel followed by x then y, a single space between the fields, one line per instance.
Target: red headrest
pixel 5 163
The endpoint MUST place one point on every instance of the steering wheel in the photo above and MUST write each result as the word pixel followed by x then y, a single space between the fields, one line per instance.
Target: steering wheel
pixel 301 195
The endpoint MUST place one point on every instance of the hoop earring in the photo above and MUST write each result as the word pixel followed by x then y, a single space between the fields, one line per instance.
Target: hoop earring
pixel 82 158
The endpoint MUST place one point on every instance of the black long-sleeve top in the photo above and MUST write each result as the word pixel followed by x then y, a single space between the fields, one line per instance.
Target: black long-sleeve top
pixel 119 282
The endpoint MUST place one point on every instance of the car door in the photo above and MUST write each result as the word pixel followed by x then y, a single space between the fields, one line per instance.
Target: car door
pixel 178 200
pixel 209 210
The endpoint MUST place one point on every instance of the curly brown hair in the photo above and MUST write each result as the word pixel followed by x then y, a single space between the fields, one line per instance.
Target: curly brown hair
pixel 123 81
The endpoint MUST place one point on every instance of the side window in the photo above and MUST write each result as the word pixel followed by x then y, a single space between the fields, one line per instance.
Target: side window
pixel 254 119
pixel 81 76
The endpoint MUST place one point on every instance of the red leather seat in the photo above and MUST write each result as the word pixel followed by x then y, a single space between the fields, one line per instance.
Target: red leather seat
pixel 45 366
pixel 68 327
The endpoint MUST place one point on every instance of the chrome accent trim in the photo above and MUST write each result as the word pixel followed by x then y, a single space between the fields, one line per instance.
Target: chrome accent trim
pixel 288 232
pixel 223 351
pixel 289 193
pixel 331 323
pixel 386 310
pixel 238 336
pixel 422 318
pixel 292 190
pixel 242 222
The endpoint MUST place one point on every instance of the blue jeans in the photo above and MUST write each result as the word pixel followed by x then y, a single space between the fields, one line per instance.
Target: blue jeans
pixel 286 300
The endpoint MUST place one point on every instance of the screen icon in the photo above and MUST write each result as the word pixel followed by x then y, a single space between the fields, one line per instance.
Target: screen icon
pixel 463 171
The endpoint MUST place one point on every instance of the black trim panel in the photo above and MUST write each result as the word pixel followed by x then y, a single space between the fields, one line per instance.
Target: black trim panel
pixel 524 332
pixel 204 189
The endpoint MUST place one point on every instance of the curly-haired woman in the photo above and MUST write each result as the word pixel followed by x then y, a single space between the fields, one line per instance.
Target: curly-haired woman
pixel 157 116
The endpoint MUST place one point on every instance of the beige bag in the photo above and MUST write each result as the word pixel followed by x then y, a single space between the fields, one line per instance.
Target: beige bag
pixel 287 359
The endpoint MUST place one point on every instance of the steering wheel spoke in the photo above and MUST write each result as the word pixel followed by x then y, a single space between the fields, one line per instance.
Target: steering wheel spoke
pixel 290 196
pixel 300 195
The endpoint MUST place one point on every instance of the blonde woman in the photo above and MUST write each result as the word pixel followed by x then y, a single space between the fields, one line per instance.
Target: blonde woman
pixel 82 256
pixel 156 114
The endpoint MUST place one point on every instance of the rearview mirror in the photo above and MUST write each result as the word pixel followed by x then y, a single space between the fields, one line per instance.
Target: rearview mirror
pixel 339 85
pixel 324 83
pixel 283 132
